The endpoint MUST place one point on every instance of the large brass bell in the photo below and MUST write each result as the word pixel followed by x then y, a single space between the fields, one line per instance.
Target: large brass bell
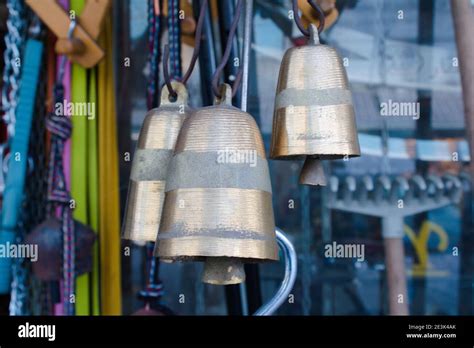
pixel 155 147
pixel 314 116
pixel 218 205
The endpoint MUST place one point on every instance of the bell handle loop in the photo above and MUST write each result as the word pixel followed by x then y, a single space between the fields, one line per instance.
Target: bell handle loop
pixel 195 56
pixel 226 55
pixel 180 98
pixel 226 94
pixel 299 23
pixel 289 279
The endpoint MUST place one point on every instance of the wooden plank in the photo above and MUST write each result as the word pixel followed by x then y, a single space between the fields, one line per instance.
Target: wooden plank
pixel 58 22
pixel 93 15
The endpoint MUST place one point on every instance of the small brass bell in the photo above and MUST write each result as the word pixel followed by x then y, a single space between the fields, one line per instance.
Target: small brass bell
pixel 218 205
pixel 155 147
pixel 314 116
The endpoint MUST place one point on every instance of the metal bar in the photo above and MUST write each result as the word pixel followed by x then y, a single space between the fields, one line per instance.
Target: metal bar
pixel 426 12
pixel 246 53
pixel 207 56
pixel 226 11
pixel 291 269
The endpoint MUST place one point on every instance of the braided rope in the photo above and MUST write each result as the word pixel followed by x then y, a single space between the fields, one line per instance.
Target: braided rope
pixel 14 41
pixel 154 287
pixel 59 198
pixel 154 31
pixel 174 32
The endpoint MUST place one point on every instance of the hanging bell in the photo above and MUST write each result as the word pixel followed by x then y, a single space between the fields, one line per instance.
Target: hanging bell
pixel 314 116
pixel 218 206
pixel 155 147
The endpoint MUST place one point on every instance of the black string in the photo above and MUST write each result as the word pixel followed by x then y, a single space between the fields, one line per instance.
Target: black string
pixel 197 47
pixel 297 18
pixel 226 55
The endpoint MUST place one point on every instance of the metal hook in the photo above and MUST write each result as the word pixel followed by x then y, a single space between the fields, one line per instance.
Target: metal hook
pixel 226 55
pixel 291 264
pixel 298 22
pixel 62 64
pixel 192 63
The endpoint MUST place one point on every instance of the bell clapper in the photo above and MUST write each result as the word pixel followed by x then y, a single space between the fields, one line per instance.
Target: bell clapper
pixel 223 271
pixel 312 172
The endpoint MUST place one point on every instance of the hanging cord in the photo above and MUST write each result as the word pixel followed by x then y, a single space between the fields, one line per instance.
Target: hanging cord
pixel 154 32
pixel 174 32
pixel 153 288
pixel 297 18
pixel 59 197
pixel 226 55
pixel 197 47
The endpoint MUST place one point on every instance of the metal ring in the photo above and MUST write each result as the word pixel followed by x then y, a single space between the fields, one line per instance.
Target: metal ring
pixel 62 64
pixel 72 26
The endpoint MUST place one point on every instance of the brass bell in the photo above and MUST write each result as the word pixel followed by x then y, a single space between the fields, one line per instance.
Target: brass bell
pixel 218 205
pixel 155 147
pixel 314 116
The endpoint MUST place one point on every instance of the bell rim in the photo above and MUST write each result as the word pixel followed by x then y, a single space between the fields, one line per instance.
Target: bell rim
pixel 302 156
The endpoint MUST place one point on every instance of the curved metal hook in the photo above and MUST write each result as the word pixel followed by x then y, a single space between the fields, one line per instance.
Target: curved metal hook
pixel 297 18
pixel 62 64
pixel 291 267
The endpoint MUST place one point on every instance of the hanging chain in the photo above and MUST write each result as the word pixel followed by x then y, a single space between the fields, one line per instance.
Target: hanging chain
pixel 380 33
pixel 14 40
